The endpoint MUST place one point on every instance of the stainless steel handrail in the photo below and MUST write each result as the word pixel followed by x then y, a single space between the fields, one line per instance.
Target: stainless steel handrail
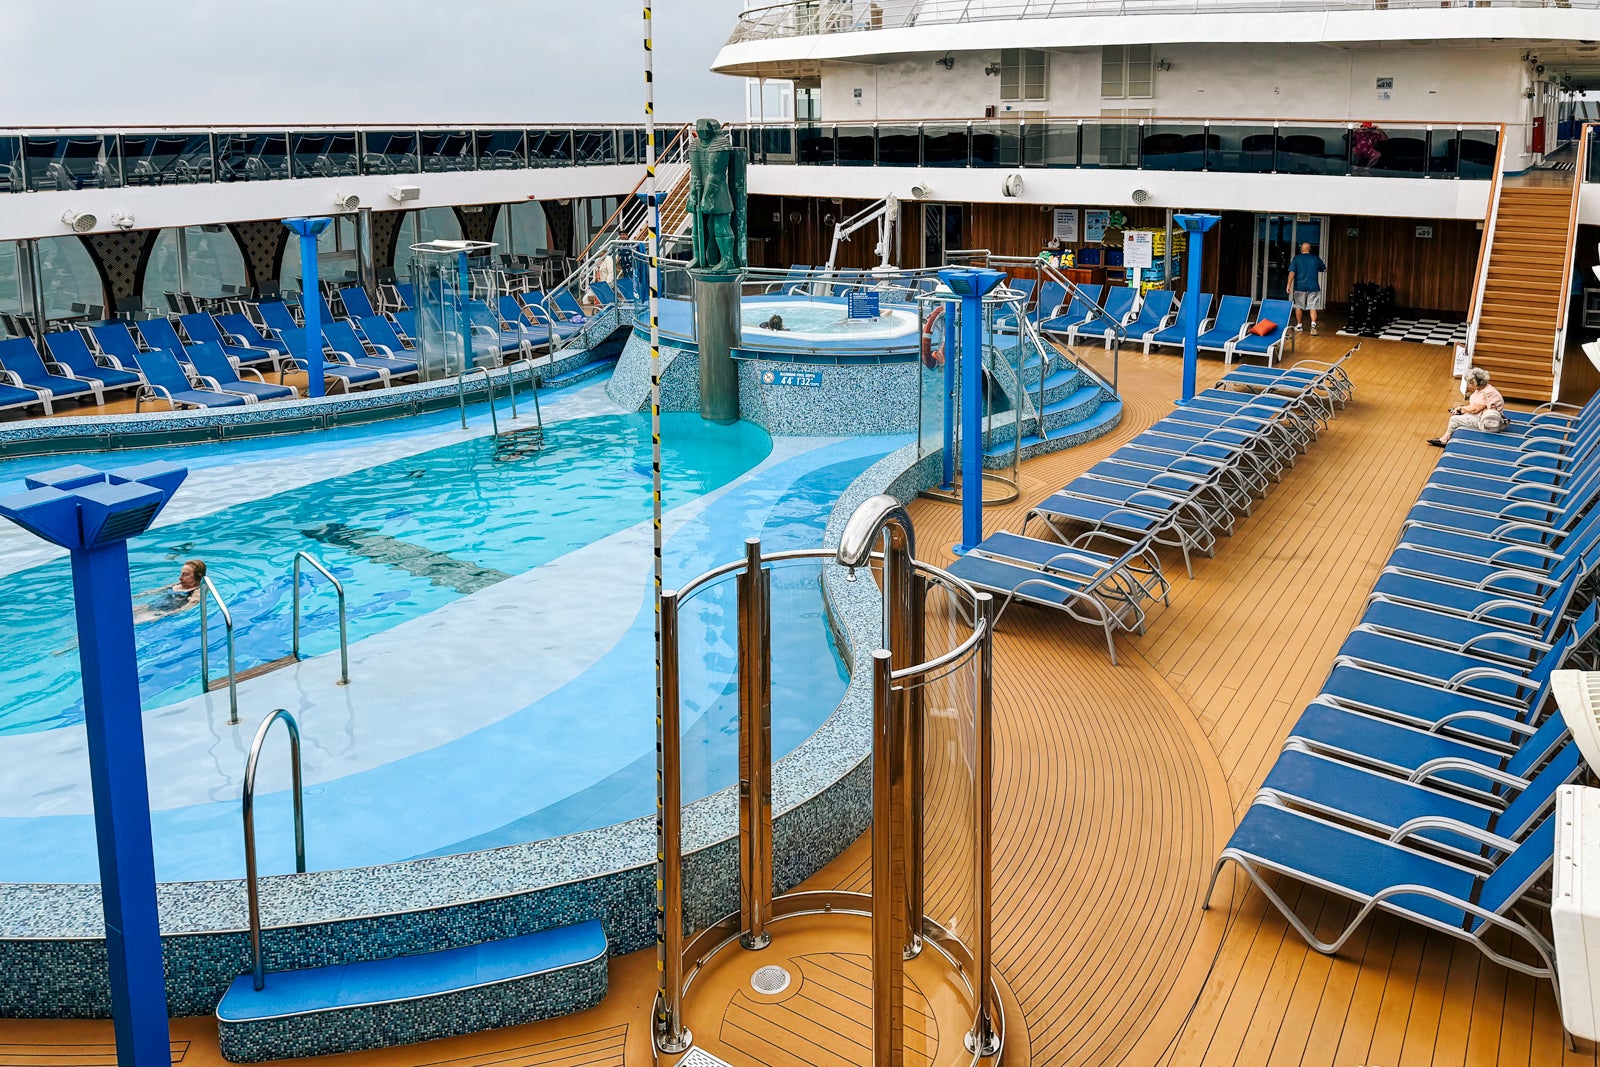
pixel 461 395
pixel 1047 272
pixel 208 588
pixel 533 385
pixel 247 800
pixel 344 633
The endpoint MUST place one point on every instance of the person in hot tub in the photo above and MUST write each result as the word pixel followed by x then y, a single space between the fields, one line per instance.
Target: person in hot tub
pixel 774 323
pixel 176 597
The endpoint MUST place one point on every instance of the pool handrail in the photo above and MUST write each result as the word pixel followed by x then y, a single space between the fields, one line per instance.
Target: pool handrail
pixel 461 395
pixel 533 385
pixel 344 633
pixel 207 586
pixel 247 798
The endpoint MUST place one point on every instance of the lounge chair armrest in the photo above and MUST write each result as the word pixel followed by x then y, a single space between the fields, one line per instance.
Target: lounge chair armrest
pixel 253 373
pixel 1529 511
pixel 1553 490
pixel 1482 611
pixel 10 378
pixel 1542 461
pixel 1537 551
pixel 1489 583
pixel 1478 674
pixel 1432 768
pixel 1410 828
pixel 1499 533
pixel 1523 640
pixel 1515 726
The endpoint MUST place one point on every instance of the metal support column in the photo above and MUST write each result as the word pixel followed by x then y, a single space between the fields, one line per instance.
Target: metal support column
pixel 671 1035
pixel 914 743
pixel 32 273
pixel 983 1040
pixel 888 870
pixel 366 266
pixel 755 749
pixel 310 298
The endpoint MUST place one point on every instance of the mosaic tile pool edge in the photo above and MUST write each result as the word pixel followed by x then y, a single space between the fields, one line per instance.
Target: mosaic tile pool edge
pixel 53 959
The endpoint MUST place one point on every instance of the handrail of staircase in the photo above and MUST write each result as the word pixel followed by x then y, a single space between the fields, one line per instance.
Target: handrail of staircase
pixel 1486 240
pixel 1586 137
pixel 1047 272
pixel 247 801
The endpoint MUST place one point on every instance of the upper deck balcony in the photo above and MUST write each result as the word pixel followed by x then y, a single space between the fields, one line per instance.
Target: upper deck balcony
pixel 770 40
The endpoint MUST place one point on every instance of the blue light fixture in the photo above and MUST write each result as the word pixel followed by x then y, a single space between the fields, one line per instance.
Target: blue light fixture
pixel 92 514
pixel 1195 226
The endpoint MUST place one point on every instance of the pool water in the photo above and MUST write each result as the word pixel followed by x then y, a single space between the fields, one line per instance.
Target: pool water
pixel 404 537
pixel 807 320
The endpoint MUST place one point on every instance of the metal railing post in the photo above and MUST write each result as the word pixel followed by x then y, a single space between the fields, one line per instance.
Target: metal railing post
pixel 248 810
pixel 207 586
pixel 671 1035
pixel 982 1040
pixel 888 874
pixel 755 749
pixel 344 632
pixel 914 744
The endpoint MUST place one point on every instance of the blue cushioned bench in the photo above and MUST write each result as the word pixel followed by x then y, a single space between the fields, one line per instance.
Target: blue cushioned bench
pixel 405 999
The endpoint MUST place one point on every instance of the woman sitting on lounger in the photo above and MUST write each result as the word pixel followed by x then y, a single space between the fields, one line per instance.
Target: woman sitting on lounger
pixel 1485 408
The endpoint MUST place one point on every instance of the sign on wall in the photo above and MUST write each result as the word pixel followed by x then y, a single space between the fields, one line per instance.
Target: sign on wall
pixel 1138 249
pixel 1066 225
pixel 1094 225
pixel 808 379
pixel 1385 88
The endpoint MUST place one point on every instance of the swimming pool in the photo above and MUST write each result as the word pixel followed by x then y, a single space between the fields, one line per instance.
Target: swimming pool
pixel 805 320
pixel 501 628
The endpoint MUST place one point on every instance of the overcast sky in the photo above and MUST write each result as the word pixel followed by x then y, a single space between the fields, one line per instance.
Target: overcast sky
pixel 211 62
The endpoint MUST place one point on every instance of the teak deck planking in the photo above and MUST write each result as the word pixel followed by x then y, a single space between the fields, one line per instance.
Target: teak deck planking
pixel 1117 786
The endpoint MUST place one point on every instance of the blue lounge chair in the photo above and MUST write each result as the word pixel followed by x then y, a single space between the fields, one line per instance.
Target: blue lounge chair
pixel 333 369
pixel 357 304
pixel 536 311
pixel 381 332
pixel 1006 320
pixel 1233 317
pixel 797 280
pixel 203 329
pixel 71 350
pixel 1111 319
pixel 277 316
pixel 512 313
pixel 14 395
pixel 159 333
pixel 604 293
pixel 1048 302
pixel 20 358
pixel 407 293
pixel 116 344
pixel 1085 306
pixel 1390 876
pixel 246 334
pixel 347 348
pixel 1269 345
pixel 568 305
pixel 165 380
pixel 217 371
pixel 1152 317
pixel 1171 336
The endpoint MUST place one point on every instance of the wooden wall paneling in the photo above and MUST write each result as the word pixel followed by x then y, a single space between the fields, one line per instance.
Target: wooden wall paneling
pixel 1579 378
pixel 1428 273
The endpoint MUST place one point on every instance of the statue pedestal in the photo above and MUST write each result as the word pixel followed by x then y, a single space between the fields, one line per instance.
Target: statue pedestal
pixel 717 329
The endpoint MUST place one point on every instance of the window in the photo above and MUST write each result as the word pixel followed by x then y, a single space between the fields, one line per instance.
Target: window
pixel 1022 74
pixel 420 227
pixel 1127 71
pixel 520 229
pixel 336 254
pixel 203 260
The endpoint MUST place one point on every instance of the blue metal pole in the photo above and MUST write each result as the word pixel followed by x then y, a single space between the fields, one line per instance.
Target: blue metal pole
pixel 1191 315
pixel 952 345
pixel 104 601
pixel 972 420
pixel 463 317
pixel 311 300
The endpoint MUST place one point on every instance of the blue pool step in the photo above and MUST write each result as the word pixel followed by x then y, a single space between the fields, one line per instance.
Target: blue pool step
pixel 404 999
pixel 576 374
pixel 1103 420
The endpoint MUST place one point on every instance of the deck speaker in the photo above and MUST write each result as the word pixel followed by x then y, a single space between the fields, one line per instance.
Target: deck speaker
pixel 346 201
pixel 78 221
pixel 400 194
pixel 1141 196
pixel 921 191
pixel 1012 186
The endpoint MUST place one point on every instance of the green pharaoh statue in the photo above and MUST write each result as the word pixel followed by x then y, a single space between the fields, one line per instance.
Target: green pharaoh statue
pixel 717 200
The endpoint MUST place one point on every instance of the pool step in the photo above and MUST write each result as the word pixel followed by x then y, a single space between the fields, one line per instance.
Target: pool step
pixel 251 672
pixel 1102 420
pixel 577 374
pixel 406 999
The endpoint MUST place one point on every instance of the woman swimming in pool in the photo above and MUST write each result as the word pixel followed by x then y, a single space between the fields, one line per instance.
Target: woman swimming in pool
pixel 176 597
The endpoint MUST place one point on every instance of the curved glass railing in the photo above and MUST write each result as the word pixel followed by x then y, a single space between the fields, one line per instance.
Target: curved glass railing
pixel 53 161
pixel 810 18
pixel 1232 146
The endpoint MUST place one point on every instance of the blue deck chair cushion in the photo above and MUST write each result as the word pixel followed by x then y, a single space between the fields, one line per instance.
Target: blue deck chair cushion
pixel 162 371
pixel 241 327
pixel 1173 335
pixel 19 356
pixel 1232 314
pixel 211 362
pixel 70 349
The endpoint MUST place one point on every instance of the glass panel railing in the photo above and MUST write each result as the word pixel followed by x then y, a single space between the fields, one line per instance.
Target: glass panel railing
pixel 11 175
pixel 814 144
pixel 899 146
pixel 390 152
pixel 1110 145
pixel 1050 144
pixel 322 154
pixel 1241 149
pixel 778 144
pixel 946 145
pixel 996 144
pixel 447 150
pixel 549 148
pixel 1402 153
pixel 1444 152
pixel 252 157
pixel 856 146
pixel 1313 150
pixel 86 161
pixel 1176 147
pixel 502 150
pixel 595 147
pixel 1593 168
pixel 632 146
pixel 1476 153
pixel 166 158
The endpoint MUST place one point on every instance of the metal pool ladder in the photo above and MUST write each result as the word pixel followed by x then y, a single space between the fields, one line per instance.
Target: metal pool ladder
pixel 526 440
pixel 344 631
pixel 209 589
pixel 247 801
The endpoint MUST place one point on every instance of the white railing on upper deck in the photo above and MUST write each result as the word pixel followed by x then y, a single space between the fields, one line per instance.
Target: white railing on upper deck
pixel 807 18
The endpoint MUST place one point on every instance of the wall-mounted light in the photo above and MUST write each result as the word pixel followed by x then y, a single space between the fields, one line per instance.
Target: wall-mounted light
pixel 947 61
pixel 1163 65
pixel 78 221
pixel 122 220
pixel 346 201
pixel 992 70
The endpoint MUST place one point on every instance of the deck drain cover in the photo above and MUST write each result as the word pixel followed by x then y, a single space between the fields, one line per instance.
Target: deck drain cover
pixel 770 979
pixel 699 1057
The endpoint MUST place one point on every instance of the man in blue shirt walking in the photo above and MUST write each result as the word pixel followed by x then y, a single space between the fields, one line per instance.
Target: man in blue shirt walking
pixel 1305 284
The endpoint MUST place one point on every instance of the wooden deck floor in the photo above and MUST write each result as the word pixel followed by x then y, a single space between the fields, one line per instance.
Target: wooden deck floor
pixel 1116 787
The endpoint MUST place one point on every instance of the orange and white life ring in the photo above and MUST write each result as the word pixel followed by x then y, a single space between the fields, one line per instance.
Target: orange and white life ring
pixel 932 355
